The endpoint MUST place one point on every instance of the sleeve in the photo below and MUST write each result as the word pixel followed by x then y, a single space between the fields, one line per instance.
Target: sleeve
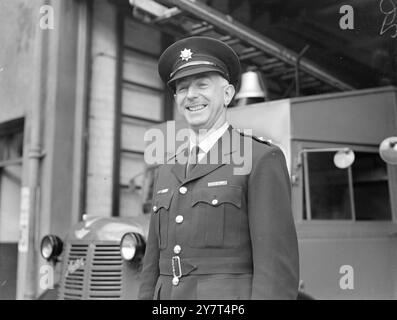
pixel 150 270
pixel 272 229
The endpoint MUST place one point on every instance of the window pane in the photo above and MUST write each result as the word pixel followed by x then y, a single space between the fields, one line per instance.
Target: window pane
pixel 132 134
pixel 3 148
pixel 142 102
pixel 304 211
pixel 371 190
pixel 11 145
pixel 131 166
pixel 329 188
pixel 10 187
pixel 141 69
pixel 130 203
pixel 136 36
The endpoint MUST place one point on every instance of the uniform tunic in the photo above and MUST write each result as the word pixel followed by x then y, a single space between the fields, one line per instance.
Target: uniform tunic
pixel 222 233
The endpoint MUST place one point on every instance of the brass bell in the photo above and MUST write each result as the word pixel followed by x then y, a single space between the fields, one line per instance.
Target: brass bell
pixel 252 89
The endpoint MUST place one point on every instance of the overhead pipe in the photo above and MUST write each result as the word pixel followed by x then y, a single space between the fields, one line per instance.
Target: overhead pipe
pixel 298 60
pixel 237 29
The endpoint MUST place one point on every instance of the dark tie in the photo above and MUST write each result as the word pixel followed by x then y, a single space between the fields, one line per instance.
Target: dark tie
pixel 193 159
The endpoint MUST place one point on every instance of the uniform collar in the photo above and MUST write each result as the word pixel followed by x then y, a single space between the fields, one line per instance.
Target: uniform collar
pixel 209 139
pixel 224 155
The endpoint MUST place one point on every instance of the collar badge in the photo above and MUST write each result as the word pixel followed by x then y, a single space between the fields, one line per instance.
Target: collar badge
pixel 186 54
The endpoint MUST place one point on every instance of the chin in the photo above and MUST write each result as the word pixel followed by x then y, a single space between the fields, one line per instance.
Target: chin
pixel 196 123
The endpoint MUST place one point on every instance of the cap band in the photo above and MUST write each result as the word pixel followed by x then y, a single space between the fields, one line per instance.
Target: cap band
pixel 195 63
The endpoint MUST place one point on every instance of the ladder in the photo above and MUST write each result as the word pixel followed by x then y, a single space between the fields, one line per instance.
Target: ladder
pixel 288 69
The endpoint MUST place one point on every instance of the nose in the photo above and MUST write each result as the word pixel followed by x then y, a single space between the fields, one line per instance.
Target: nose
pixel 192 92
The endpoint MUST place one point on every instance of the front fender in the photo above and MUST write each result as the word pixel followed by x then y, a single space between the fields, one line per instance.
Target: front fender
pixel 50 294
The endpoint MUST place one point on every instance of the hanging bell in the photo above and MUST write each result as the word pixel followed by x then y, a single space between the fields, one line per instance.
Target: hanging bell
pixel 252 89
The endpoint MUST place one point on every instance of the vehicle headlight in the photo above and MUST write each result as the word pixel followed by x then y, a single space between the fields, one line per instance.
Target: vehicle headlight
pixel 51 247
pixel 132 246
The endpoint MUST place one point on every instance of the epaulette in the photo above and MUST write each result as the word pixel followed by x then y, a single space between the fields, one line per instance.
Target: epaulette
pixel 259 139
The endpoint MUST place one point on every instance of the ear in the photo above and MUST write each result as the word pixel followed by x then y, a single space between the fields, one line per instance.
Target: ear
pixel 228 95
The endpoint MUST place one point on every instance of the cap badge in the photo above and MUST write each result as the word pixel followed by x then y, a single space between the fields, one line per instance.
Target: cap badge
pixel 186 54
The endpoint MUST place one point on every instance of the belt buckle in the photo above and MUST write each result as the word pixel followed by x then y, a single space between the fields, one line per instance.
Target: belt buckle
pixel 175 280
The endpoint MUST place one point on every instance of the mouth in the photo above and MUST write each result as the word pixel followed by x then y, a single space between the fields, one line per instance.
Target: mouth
pixel 196 107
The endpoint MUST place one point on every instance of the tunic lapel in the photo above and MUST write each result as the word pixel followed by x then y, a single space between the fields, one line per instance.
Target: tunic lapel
pixel 179 171
pixel 215 158
pixel 179 168
pixel 219 155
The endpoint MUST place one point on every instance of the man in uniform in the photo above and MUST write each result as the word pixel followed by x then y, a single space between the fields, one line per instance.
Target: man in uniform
pixel 216 233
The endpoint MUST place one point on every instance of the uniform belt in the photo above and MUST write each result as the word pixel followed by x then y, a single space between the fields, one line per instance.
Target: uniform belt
pixel 185 266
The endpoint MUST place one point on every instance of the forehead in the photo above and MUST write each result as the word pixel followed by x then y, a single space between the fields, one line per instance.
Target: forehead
pixel 212 76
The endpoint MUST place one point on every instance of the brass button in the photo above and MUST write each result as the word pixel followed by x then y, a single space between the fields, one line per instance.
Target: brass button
pixel 214 202
pixel 175 281
pixel 177 249
pixel 154 208
pixel 179 219
pixel 183 190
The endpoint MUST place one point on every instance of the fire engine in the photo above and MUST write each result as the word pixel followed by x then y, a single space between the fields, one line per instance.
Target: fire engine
pixel 344 200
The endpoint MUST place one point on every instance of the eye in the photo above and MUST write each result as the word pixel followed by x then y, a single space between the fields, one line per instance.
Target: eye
pixel 181 88
pixel 203 85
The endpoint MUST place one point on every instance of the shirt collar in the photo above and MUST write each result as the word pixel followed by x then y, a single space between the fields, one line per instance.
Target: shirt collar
pixel 209 139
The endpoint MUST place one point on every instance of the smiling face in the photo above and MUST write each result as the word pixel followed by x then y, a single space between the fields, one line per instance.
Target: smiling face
pixel 202 99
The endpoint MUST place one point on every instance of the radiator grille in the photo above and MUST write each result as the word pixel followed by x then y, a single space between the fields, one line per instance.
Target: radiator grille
pixel 73 272
pixel 106 273
pixel 92 271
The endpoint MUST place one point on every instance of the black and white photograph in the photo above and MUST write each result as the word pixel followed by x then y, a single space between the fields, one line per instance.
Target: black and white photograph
pixel 198 150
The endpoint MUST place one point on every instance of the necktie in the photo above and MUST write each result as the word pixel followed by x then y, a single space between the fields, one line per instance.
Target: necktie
pixel 193 159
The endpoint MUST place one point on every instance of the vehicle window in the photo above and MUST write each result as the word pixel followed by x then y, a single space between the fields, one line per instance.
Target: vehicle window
pixel 328 188
pixel 371 189
pixel 359 192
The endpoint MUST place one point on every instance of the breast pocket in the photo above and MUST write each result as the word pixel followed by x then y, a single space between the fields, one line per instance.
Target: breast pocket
pixel 161 207
pixel 216 217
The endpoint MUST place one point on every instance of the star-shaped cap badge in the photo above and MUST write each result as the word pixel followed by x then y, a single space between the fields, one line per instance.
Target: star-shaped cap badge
pixel 186 54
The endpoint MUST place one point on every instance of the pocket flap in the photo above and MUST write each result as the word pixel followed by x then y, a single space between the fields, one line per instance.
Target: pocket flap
pixel 218 195
pixel 162 200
